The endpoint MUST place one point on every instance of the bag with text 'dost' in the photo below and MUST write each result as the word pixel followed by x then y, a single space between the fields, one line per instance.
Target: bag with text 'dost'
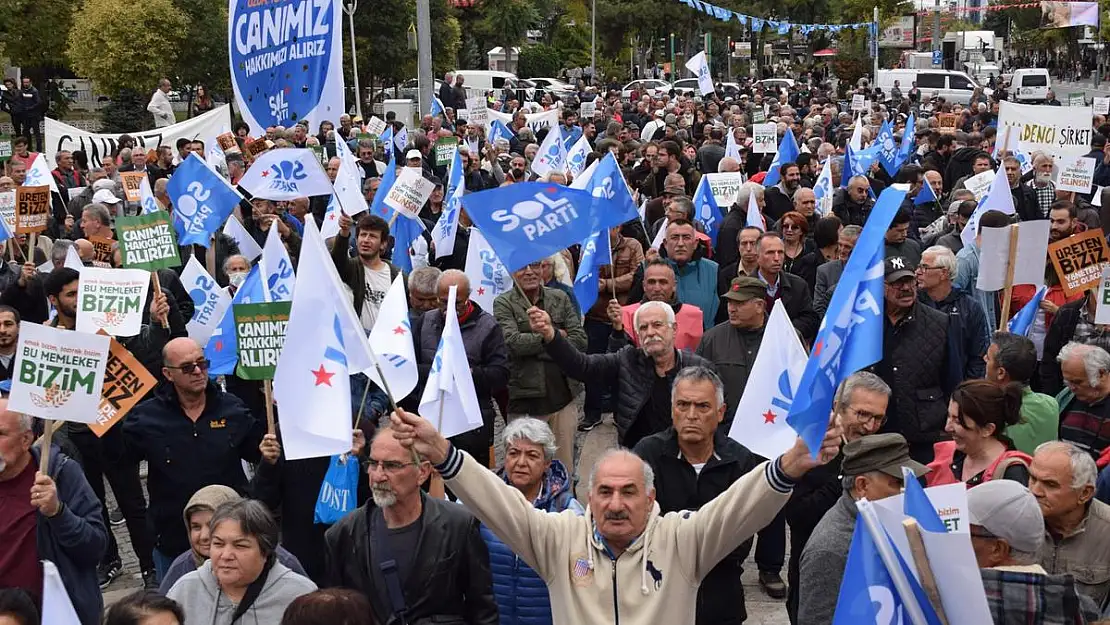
pixel 339 491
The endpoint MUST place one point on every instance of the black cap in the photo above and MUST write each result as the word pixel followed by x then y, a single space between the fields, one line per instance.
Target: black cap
pixel 897 267
pixel 880 452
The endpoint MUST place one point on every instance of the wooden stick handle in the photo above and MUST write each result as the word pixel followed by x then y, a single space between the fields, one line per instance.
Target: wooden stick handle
pixel 157 290
pixel 924 569
pixel 268 389
pixel 1010 268
pixel 44 455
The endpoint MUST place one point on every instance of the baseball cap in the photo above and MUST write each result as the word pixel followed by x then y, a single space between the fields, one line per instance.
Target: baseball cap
pixel 413 154
pixel 105 196
pixel 897 267
pixel 1008 511
pixel 744 288
pixel 659 113
pixel 880 452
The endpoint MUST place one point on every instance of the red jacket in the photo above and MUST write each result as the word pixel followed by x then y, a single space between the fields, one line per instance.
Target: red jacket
pixel 945 451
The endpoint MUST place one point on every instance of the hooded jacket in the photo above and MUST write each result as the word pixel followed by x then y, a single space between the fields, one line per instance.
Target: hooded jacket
pixel 959 166
pixel 520 592
pixel 205 604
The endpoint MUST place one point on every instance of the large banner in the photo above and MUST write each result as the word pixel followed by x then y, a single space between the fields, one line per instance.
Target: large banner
pixel 1066 14
pixel 1062 131
pixel 205 127
pixel 286 61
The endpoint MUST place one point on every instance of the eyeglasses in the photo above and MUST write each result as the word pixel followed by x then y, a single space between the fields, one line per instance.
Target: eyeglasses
pixel 865 417
pixel 190 367
pixel 389 466
pixel 924 267
pixel 536 266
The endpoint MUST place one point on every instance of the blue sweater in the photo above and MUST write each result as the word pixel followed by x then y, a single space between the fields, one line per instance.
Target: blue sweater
pixel 697 286
pixel 521 594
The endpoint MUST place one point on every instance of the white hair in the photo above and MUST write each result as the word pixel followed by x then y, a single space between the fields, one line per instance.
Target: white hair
pixel 944 258
pixel 533 431
pixel 665 307
pixel 864 380
pixel 746 190
pixel 649 473
pixel 1084 472
pixel 1095 359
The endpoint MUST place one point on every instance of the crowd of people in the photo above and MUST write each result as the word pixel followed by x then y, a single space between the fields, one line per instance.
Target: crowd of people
pixel 225 531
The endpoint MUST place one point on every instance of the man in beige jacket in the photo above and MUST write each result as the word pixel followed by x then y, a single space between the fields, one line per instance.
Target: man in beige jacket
pixel 621 562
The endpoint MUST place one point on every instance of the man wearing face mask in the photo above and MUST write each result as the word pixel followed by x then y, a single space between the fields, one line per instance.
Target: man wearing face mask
pixel 236 267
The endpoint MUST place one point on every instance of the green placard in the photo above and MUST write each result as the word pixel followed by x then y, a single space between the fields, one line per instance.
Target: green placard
pixel 758 116
pixel 445 150
pixel 1077 99
pixel 147 241
pixel 260 334
pixel 321 156
pixel 5 148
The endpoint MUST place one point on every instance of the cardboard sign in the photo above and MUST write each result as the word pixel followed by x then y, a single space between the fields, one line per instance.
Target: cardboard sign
pixel 946 123
pixel 126 382
pixel 1080 260
pixel 147 241
pixel 375 125
pixel 227 143
pixel 132 183
pixel 7 208
pixel 725 187
pixel 409 193
pixel 445 150
pixel 104 250
pixel 587 109
pixel 1077 99
pixel 858 102
pixel 1028 255
pixel 111 300
pixel 32 208
pixel 1102 309
pixel 260 332
pixel 321 155
pixel 1101 106
pixel 5 148
pixel 1076 175
pixel 758 116
pixel 477 112
pixel 980 184
pixel 258 146
pixel 765 138
pixel 1060 131
pixel 59 374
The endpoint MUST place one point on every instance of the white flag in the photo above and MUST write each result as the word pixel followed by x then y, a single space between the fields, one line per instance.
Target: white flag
pixel 699 65
pixel 57 609
pixel 348 182
pixel 247 245
pixel 286 174
pixel 215 158
pixel 401 138
pixel 209 300
pixel 552 155
pixel 147 201
pixel 732 147
pixel 760 420
pixel 38 174
pixel 998 198
pixel 324 343
pixel 856 142
pixel 823 190
pixel 391 342
pixel 447 227
pixel 73 259
pixel 754 217
pixel 330 227
pixel 449 399
pixel 277 269
pixel 488 275
pixel 583 180
pixel 576 157
pixel 657 242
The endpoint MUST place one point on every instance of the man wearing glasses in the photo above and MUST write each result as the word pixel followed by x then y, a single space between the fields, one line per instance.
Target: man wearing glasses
pixel 192 434
pixel 967 327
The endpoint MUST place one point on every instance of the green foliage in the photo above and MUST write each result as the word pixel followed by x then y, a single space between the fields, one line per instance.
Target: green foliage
pixel 381 32
pixel 539 60
pixel 206 62
pixel 126 112
pixel 33 32
pixel 446 39
pixel 131 53
pixel 507 22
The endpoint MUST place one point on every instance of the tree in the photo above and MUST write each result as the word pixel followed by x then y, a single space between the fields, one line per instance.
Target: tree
pixel 508 22
pixel 131 53
pixel 539 60
pixel 206 60
pixel 126 112
pixel 33 32
pixel 446 39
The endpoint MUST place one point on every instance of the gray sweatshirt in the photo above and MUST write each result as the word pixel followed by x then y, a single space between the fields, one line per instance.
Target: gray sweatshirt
pixel 204 603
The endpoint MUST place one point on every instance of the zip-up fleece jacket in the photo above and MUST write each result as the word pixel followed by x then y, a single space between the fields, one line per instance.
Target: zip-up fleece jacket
pixel 655 580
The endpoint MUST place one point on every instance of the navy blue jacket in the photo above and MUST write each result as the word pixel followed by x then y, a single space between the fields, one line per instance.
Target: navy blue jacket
pixel 76 538
pixel 968 337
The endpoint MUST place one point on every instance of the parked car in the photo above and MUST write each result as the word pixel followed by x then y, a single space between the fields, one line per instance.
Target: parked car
pixel 552 85
pixel 775 84
pixel 651 86
pixel 686 86
pixel 952 85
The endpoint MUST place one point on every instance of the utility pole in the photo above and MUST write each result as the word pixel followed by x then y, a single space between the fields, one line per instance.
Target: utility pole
pixel 593 41
pixel 936 26
pixel 875 49
pixel 424 57
pixel 349 9
pixel 674 69
pixel 708 53
pixel 728 60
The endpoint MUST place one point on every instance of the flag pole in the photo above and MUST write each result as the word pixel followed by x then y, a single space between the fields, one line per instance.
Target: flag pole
pixel 612 270
pixel 44 451
pixel 362 404
pixel 890 560
pixel 385 383
pixel 436 488
pixel 1009 288
pixel 158 289
pixel 924 569
pixel 268 390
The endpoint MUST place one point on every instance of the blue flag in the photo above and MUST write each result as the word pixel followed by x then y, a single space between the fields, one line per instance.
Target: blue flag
pixel 404 231
pixel 379 207
pixel 857 163
pixel 926 194
pixel 851 334
pixel 1022 322
pixel 498 130
pixel 916 504
pixel 221 350
pixel 612 196
pixel 888 151
pixel 788 153
pixel 437 106
pixel 202 201
pixel 595 253
pixel 706 211
pixel 528 221
pixel 867 591
pixel 908 134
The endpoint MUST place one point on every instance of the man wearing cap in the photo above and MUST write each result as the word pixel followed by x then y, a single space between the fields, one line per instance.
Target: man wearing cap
pixel 732 345
pixel 1007 533
pixel 872 470
pixel 656 125
pixel 914 364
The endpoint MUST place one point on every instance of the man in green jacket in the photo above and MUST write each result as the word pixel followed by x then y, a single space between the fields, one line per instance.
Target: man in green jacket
pixel 1013 358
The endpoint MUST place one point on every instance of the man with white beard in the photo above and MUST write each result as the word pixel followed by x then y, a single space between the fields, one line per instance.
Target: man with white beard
pixel 409 539
pixel 1042 184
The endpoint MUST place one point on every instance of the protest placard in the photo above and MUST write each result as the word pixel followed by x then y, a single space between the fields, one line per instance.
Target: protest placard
pixel 321 155
pixel 375 125
pixel 1079 260
pixel 132 183
pixel 1102 311
pixel 59 373
pixel 758 116
pixel 445 150
pixel 7 208
pixel 32 208
pixel 260 332
pixel 1061 131
pixel 1076 174
pixel 104 249
pixel 1101 106
pixel 147 241
pixel 111 300
pixel 126 382
pixel 765 138
pixel 980 183
pixel 477 112
pixel 1077 99
pixel 228 144
pixel 995 255
pixel 258 146
pixel 587 110
pixel 5 147
pixel 946 123
pixel 857 102
pixel 725 187
pixel 409 193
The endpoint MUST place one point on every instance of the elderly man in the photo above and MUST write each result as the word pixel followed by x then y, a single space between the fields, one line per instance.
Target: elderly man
pixel 1084 409
pixel 160 106
pixel 1025 198
pixel 1042 185
pixel 417 558
pixel 872 470
pixel 694 462
pixel 1007 533
pixel 1012 358
pixel 658 560
pixel 780 285
pixel 659 285
pixel 697 277
pixel 828 274
pixel 537 386
pixel 733 344
pixel 1077 541
pixel 531 468
pixel 192 434
pixel 422 292
pixel 734 223
pixel 640 375
pixel 967 324
pixel 47 516
pixel 485 350
pixel 853 205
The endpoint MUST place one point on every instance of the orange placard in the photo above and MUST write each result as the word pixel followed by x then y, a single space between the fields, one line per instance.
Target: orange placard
pixel 227 143
pixel 1079 260
pixel 946 123
pixel 126 382
pixel 132 182
pixel 104 250
pixel 32 208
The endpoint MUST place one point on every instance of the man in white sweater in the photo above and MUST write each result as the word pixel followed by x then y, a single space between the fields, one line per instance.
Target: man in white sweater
pixel 621 562
pixel 160 105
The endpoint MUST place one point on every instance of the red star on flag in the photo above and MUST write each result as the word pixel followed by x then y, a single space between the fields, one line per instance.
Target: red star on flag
pixel 817 347
pixel 768 417
pixel 399 330
pixel 265 173
pixel 323 376
pixel 481 290
pixel 219 346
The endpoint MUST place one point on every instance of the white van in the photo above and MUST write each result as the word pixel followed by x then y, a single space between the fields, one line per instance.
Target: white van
pixel 953 86
pixel 478 81
pixel 1030 85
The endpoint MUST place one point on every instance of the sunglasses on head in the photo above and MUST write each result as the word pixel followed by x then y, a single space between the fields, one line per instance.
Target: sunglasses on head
pixel 190 367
